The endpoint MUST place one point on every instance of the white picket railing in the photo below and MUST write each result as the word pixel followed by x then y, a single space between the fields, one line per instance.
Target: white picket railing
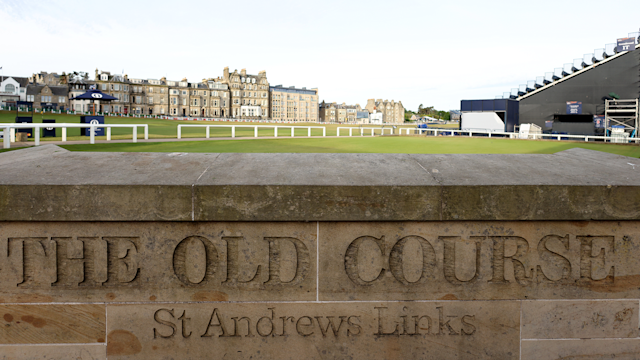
pixel 255 129
pixel 92 127
pixel 362 129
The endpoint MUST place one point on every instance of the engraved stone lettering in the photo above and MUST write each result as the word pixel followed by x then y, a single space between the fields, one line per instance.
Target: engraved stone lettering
pixel 449 259
pixel 33 250
pixel 330 324
pixel 270 324
pixel 179 260
pixel 351 259
pixel 184 320
pixel 219 324
pixel 500 258
pixel 589 261
pixel 470 326
pixel 553 258
pixel 122 261
pixel 302 261
pixel 302 327
pixel 76 268
pixel 381 332
pixel 156 317
pixel 236 332
pixel 233 262
pixel 396 259
pixel 444 324
pixel 353 326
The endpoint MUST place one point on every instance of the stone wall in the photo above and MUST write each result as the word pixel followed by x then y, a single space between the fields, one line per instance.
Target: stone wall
pixel 319 256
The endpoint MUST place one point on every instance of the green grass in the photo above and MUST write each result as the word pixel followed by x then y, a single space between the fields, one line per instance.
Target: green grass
pixel 407 145
pixel 163 129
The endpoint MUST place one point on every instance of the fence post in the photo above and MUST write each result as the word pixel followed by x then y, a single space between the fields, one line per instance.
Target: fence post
pixel 255 131
pixel 6 138
pixel 324 131
pixel 350 131
pixel 179 131
pixel 37 135
pixel 135 134
pixel 146 132
pixel 64 133
pixel 207 131
pixel 275 131
pixel 309 131
pixel 108 133
pixel 92 135
pixel 233 131
pixel 292 131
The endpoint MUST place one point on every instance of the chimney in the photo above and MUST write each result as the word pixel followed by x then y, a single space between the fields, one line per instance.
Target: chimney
pixel 243 72
pixel 225 73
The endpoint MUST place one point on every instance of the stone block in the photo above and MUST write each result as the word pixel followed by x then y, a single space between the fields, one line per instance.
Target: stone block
pixel 479 260
pixel 579 319
pixel 619 349
pixel 52 324
pixel 75 352
pixel 153 261
pixel 372 330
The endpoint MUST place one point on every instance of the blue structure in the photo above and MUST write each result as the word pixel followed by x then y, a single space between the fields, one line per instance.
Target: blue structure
pixel 507 109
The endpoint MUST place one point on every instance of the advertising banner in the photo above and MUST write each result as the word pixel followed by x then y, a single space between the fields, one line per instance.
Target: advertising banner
pixel 598 121
pixel 574 107
pixel 626 44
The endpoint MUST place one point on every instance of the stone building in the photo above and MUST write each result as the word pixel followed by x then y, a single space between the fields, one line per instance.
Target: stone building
pixel 44 78
pixel 293 104
pixel 179 96
pixel 338 113
pixel 48 97
pixel 393 112
pixel 249 94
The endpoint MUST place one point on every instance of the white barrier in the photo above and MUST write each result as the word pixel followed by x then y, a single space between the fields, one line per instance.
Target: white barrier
pixel 92 140
pixel 362 129
pixel 255 129
pixel 515 134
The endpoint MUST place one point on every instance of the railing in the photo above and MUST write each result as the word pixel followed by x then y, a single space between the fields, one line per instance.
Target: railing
pixel 255 129
pixel 453 132
pixel 362 129
pixel 92 127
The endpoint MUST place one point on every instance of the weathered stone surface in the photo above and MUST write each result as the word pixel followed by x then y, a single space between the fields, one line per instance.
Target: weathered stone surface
pixel 58 185
pixel 444 330
pixel 479 260
pixel 579 319
pixel 139 261
pixel 621 349
pixel 52 324
pixel 65 352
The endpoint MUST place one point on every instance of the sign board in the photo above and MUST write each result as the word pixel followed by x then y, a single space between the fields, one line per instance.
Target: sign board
pixel 548 124
pixel 49 131
pixel 574 107
pixel 598 121
pixel 626 44
pixel 92 120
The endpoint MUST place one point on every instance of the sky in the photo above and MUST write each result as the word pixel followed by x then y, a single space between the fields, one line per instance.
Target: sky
pixel 418 52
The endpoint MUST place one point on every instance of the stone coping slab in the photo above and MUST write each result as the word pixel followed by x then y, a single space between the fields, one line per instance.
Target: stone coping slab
pixel 48 183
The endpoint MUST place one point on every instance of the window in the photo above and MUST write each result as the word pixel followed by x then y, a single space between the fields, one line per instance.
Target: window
pixel 126 87
pixel 174 101
pixel 184 92
pixel 9 88
pixel 162 91
pixel 61 99
pixel 150 89
pixel 204 102
pixel 184 102
pixel 205 93
pixel 30 98
pixel 104 86
pixel 150 100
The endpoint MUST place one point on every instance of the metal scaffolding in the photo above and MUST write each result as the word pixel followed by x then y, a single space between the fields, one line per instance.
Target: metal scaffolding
pixel 622 113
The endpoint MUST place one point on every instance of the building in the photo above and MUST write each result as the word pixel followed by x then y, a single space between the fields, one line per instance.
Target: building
pixel 327 112
pixel 293 104
pixel 118 86
pixel 362 117
pixel 393 111
pixel 12 89
pixel 44 78
pixel 249 94
pixel 338 113
pixel 376 118
pixel 48 97
pixel 78 85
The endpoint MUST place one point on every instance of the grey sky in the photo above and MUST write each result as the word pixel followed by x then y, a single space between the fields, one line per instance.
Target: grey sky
pixel 419 52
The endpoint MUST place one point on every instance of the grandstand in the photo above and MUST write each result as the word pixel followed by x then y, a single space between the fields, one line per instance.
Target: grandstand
pixel 606 84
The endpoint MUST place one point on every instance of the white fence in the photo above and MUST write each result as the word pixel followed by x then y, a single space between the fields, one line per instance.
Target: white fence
pixel 255 129
pixel 362 129
pixel 514 135
pixel 10 128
